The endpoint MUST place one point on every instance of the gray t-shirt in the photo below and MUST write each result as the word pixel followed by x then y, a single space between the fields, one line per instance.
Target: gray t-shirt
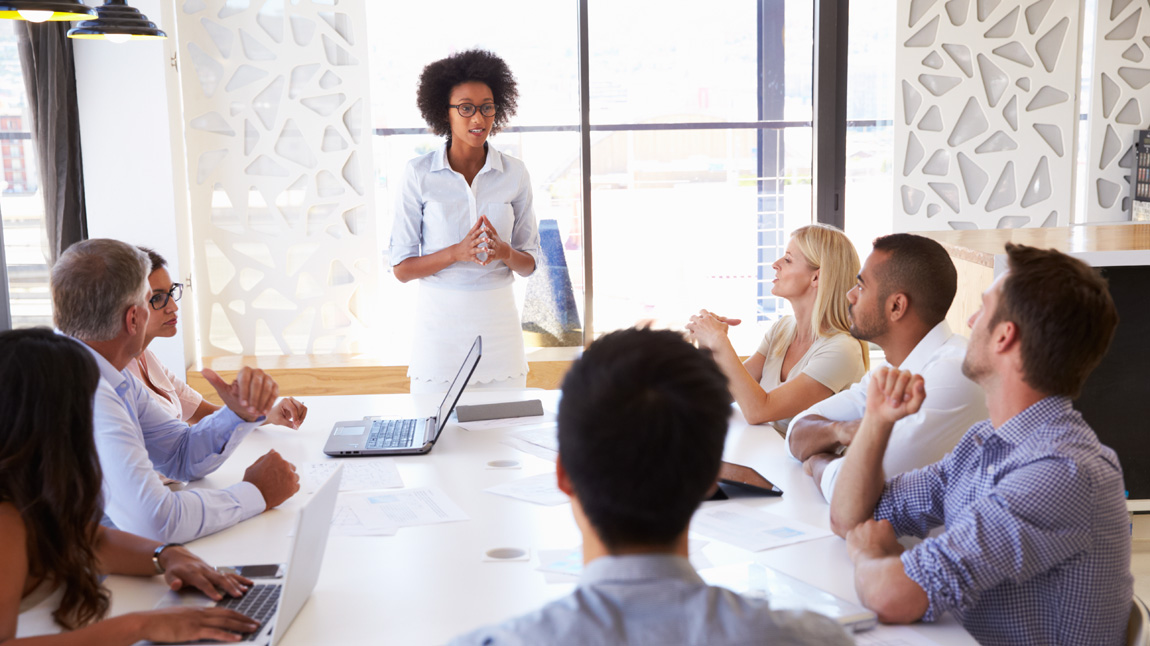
pixel 656 599
pixel 834 361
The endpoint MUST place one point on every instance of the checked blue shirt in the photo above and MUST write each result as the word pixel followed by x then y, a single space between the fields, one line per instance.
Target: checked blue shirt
pixel 1037 542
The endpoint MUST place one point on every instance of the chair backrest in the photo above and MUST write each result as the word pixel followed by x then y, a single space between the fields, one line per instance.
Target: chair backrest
pixel 1138 630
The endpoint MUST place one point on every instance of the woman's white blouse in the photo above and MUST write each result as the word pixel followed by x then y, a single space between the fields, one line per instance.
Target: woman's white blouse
pixel 436 208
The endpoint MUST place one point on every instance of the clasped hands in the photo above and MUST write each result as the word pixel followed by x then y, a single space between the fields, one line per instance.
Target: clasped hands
pixel 481 239
pixel 707 328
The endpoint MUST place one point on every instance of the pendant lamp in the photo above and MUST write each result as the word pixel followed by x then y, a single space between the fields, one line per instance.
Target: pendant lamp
pixel 117 22
pixel 43 10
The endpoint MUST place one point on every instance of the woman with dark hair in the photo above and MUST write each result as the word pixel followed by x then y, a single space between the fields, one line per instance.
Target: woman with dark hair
pixel 168 390
pixel 464 225
pixel 51 543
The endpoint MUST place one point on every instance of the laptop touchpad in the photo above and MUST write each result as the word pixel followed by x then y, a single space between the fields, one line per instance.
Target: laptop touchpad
pixel 350 428
pixel 184 597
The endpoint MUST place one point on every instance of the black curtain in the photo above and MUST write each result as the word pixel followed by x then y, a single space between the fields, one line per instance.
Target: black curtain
pixel 50 77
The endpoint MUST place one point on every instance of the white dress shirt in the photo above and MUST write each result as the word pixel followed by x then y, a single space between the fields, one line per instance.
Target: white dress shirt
pixel 436 208
pixel 135 437
pixel 953 404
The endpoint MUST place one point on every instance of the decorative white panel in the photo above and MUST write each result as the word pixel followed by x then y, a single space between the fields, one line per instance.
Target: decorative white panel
pixel 986 107
pixel 1120 105
pixel 279 166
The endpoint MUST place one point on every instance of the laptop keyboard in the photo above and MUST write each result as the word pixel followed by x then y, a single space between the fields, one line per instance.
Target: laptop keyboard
pixel 259 603
pixel 390 433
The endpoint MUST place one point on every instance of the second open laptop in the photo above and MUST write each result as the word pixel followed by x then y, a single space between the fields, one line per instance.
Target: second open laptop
pixel 382 436
pixel 275 601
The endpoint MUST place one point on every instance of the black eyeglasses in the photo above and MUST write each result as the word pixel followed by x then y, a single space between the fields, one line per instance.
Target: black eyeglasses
pixel 466 109
pixel 160 301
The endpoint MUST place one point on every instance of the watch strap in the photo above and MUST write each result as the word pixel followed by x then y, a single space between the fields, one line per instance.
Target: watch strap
pixel 160 550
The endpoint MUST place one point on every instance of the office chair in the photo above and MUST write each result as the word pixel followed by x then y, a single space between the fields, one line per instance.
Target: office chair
pixel 1138 630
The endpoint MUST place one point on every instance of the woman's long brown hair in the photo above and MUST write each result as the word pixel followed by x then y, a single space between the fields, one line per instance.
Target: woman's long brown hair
pixel 49 469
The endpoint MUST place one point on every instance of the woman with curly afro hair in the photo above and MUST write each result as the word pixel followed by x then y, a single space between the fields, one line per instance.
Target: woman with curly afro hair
pixel 464 225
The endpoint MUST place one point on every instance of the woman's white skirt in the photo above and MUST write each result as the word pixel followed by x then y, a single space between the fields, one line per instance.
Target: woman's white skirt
pixel 447 322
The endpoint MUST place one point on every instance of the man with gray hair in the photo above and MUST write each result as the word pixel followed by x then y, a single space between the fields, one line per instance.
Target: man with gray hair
pixel 100 296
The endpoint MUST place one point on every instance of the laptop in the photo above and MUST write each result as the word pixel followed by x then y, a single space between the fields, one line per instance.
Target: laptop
pixel 383 436
pixel 276 599
pixel 785 592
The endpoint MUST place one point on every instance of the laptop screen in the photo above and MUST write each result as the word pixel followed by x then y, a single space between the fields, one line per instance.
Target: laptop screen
pixel 456 388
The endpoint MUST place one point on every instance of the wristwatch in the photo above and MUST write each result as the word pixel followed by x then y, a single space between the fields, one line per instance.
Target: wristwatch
pixel 160 550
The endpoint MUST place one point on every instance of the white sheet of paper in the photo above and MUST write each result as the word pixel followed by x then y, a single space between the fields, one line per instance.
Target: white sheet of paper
pixel 508 422
pixel 892 636
pixel 750 528
pixel 359 474
pixel 409 507
pixel 541 441
pixel 540 489
pixel 348 521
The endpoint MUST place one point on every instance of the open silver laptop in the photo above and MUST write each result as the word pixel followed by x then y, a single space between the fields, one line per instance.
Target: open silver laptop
pixel 385 436
pixel 785 592
pixel 275 601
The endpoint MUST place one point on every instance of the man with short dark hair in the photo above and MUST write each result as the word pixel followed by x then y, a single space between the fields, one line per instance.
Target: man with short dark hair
pixel 1036 547
pixel 900 302
pixel 100 297
pixel 642 424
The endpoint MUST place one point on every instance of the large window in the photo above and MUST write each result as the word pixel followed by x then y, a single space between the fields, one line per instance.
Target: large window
pixel 21 204
pixel 870 122
pixel 700 143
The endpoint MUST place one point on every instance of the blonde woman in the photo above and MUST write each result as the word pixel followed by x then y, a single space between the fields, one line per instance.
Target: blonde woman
pixel 804 358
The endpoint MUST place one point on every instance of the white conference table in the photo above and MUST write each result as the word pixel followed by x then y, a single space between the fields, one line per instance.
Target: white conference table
pixel 427 584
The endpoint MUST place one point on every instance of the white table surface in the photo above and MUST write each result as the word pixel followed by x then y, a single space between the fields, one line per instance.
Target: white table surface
pixel 427 584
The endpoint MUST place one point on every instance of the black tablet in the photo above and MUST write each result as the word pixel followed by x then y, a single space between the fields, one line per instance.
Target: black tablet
pixel 748 478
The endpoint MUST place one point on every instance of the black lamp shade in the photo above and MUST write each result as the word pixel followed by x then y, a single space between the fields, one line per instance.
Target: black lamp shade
pixel 117 21
pixel 60 9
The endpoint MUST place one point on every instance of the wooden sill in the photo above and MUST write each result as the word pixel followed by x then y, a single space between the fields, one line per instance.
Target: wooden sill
pixel 336 374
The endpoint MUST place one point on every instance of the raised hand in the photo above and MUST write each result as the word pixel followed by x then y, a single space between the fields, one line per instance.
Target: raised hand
pixel 893 394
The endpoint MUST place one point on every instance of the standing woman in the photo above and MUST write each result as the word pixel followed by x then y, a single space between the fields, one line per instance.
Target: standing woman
pixel 464 222
pixel 805 358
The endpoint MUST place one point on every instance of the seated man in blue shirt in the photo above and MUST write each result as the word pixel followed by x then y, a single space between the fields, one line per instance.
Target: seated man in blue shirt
pixel 100 297
pixel 1036 548
pixel 642 424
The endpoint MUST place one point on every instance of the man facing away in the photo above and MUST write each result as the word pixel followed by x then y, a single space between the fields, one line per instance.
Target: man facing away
pixel 100 297
pixel 899 303
pixel 642 423
pixel 1036 548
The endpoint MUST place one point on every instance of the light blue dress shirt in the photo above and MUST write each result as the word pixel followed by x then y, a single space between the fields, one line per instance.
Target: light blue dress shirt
pixel 1037 542
pixel 656 599
pixel 136 437
pixel 436 208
